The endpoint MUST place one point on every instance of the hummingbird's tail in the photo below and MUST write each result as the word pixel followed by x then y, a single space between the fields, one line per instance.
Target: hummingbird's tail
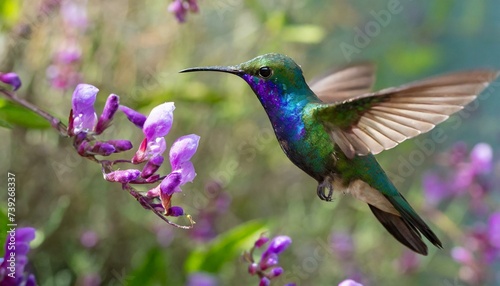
pixel 407 227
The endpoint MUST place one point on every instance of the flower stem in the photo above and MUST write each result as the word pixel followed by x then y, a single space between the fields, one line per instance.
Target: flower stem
pixel 54 122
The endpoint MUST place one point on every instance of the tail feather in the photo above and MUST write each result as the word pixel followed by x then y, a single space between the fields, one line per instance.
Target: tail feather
pixel 407 227
pixel 403 231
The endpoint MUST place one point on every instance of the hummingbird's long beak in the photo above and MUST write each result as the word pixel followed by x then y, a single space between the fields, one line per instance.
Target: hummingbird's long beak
pixel 228 69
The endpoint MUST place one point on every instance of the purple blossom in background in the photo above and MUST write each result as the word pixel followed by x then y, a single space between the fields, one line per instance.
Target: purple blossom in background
pixel 342 245
pixel 11 79
pixel 349 282
pixel 267 267
pixel 202 279
pixel 89 239
pixel 13 263
pixel 463 175
pixel 64 73
pixel 208 217
pixel 480 250
pixel 408 262
pixel 180 8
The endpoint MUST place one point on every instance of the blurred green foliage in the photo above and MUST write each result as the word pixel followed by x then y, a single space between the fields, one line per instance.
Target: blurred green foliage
pixel 135 49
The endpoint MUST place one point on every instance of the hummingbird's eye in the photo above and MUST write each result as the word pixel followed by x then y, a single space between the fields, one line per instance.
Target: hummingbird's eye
pixel 265 72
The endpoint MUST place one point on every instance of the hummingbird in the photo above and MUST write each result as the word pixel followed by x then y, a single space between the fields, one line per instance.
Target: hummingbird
pixel 332 129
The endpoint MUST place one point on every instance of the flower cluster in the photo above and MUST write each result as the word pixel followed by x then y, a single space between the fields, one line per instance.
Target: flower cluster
pixel 17 246
pixel 481 248
pixel 63 72
pixel 85 125
pixel 468 175
pixel 267 267
pixel 180 8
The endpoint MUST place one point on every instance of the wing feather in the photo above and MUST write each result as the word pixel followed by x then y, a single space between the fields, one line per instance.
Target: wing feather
pixel 374 122
pixel 345 83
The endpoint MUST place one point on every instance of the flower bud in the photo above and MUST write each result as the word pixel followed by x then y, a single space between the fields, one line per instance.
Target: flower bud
pixel 108 112
pixel 11 79
pixel 122 176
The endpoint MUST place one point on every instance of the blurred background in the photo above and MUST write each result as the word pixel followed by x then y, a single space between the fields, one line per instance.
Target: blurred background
pixel 90 232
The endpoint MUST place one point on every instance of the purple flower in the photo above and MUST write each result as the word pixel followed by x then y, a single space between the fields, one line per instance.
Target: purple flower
pixel 120 145
pixel 122 176
pixel 264 281
pixel 74 14
pixel 267 268
pixel 152 166
pixel 175 211
pixel 156 126
pixel 277 245
pixel 342 245
pixel 481 158
pixel 462 255
pixel 494 230
pixel 178 9
pixel 89 239
pixel 435 189
pixel 133 116
pixel 408 262
pixel 84 116
pixel 202 279
pixel 349 282
pixel 261 241
pixel 171 183
pixel 108 112
pixel 14 261
pixel 11 79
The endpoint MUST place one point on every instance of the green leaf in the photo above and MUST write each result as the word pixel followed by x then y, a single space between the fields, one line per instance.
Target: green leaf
pixel 9 11
pixel 225 248
pixel 5 124
pixel 154 262
pixel 17 115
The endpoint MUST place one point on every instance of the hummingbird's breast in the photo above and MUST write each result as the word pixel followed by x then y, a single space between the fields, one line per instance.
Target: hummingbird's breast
pixel 305 142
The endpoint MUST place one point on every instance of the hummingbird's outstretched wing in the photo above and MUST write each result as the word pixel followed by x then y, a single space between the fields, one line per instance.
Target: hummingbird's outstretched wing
pixel 381 120
pixel 345 83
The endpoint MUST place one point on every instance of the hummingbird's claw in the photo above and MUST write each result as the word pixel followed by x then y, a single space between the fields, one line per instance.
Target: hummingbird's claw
pixel 321 191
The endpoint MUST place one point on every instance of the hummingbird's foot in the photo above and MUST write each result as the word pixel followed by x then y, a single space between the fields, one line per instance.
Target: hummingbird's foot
pixel 321 191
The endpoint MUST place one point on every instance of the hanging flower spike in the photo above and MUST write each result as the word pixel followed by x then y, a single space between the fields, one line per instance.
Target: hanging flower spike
pixel 156 126
pixel 108 112
pixel 11 79
pixel 84 116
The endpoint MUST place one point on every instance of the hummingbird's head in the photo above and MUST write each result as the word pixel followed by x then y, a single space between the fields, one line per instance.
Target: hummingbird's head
pixel 272 76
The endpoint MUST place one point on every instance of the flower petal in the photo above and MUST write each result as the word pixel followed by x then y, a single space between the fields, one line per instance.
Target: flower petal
pixel 277 245
pixel 183 149
pixel 187 172
pixel 481 158
pixel 159 121
pixel 84 116
pixel 11 79
pixel 133 116
pixel 122 176
pixel 171 184
pixel 108 112
pixel 152 166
